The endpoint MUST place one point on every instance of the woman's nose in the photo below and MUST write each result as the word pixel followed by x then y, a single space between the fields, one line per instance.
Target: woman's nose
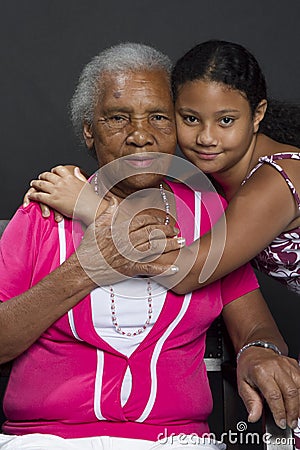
pixel 140 135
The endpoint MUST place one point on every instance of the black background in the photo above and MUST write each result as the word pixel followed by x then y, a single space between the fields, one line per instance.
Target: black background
pixel 45 43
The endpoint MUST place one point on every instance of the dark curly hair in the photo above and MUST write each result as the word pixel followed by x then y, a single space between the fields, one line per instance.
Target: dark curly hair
pixel 232 64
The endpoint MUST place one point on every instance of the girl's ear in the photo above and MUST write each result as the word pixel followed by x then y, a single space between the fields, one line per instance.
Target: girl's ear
pixel 259 114
pixel 88 135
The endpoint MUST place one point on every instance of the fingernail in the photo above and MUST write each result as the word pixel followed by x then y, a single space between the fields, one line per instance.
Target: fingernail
pixel 250 418
pixel 113 202
pixel 171 270
pixel 181 242
pixel 282 424
pixel 294 424
pixel 176 230
pixel 46 214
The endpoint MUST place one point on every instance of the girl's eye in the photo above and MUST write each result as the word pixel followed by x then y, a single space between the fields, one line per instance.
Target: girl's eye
pixel 225 121
pixel 190 119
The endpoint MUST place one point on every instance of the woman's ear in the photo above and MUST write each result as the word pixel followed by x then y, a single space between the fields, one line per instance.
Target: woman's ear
pixel 259 114
pixel 88 135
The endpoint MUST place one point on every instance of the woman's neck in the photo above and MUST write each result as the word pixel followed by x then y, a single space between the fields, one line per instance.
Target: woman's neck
pixel 151 200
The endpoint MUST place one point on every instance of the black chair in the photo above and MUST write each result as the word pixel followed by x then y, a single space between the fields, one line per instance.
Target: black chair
pixel 3 224
pixel 221 373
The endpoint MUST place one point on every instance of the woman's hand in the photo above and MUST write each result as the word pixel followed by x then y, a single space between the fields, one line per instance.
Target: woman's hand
pixel 106 251
pixel 277 378
pixel 133 244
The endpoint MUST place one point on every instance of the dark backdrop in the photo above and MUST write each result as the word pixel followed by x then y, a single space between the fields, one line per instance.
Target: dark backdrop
pixel 45 43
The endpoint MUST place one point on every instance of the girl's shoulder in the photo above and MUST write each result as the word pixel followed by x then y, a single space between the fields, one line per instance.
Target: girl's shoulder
pixel 266 146
pixel 284 163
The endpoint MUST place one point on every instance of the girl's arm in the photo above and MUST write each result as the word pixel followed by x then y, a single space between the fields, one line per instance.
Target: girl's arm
pixel 261 209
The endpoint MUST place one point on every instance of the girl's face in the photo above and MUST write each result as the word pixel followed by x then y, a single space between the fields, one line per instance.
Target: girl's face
pixel 215 126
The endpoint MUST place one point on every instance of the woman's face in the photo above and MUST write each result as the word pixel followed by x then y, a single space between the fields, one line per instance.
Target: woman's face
pixel 134 128
pixel 215 127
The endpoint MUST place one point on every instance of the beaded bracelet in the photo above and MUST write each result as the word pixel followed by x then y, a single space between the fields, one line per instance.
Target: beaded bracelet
pixel 263 344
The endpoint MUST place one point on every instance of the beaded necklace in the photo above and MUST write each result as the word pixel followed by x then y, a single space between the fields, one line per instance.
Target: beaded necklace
pixel 114 318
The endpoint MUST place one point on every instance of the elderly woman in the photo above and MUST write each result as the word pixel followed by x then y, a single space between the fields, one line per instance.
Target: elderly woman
pixel 102 365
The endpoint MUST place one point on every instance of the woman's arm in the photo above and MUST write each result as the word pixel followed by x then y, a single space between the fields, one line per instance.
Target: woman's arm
pixel 248 319
pixel 25 311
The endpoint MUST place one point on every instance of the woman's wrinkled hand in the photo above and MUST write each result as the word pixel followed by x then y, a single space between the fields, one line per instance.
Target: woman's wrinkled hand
pixel 106 251
pixel 261 372
pixel 118 242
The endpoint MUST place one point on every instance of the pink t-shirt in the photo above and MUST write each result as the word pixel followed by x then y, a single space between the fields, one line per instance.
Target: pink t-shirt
pixel 69 381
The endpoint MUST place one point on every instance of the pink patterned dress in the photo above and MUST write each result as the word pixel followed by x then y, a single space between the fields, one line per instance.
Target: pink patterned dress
pixel 281 259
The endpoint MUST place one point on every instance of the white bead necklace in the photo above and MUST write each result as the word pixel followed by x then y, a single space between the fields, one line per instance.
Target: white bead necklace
pixel 114 318
pixel 162 193
pixel 166 203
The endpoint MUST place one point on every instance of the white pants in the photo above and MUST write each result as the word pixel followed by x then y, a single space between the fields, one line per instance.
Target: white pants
pixel 50 442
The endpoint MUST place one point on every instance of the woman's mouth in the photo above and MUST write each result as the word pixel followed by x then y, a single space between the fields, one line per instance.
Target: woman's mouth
pixel 139 162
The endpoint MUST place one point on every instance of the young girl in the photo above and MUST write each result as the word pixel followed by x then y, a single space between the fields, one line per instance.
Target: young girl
pixel 248 148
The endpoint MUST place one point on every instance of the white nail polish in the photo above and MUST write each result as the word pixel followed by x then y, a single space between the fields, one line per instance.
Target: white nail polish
pixel 181 241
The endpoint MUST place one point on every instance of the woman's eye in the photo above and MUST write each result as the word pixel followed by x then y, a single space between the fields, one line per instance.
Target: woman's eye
pixel 159 121
pixel 117 118
pixel 159 117
pixel 225 121
pixel 117 122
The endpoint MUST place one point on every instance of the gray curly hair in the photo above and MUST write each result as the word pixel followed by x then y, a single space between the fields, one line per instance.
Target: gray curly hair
pixel 119 58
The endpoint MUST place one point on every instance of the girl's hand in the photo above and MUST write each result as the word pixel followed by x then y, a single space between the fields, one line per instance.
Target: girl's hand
pixel 66 191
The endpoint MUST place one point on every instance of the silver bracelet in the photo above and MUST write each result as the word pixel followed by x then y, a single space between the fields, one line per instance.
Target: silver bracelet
pixel 263 344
